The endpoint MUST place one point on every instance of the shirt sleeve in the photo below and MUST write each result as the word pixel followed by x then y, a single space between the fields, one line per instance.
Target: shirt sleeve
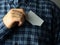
pixel 3 30
pixel 56 24
pixel 3 10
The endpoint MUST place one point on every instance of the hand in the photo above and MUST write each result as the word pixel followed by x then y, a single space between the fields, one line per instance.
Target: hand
pixel 14 16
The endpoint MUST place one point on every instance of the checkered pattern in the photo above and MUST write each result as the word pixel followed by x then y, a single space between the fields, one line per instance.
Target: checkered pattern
pixel 28 34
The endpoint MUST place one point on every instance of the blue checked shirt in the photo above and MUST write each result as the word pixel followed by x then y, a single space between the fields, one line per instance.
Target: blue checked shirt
pixel 28 34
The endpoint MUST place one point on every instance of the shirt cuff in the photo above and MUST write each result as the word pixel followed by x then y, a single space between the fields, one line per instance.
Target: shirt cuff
pixel 3 30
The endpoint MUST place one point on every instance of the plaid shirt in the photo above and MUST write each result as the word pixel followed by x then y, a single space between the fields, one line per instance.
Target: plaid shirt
pixel 27 34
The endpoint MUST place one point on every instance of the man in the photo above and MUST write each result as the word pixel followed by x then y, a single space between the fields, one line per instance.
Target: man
pixel 15 30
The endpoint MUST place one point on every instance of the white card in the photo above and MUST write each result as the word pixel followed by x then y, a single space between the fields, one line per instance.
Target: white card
pixel 34 19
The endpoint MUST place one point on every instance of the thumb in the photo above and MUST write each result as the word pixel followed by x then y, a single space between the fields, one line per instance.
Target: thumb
pixel 20 23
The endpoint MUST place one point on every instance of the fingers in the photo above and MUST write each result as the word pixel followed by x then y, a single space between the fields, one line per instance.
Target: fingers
pixel 21 11
pixel 17 12
pixel 18 19
pixel 18 15
pixel 14 16
pixel 21 21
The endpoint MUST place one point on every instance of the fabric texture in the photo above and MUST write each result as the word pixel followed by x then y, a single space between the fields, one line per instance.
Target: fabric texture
pixel 28 34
